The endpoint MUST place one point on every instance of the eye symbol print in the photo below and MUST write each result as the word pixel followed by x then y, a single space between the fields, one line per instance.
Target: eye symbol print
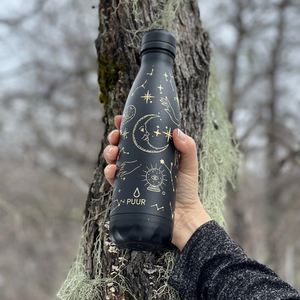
pixel 154 178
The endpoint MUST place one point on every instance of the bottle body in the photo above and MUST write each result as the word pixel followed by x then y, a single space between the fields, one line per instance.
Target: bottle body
pixel 143 202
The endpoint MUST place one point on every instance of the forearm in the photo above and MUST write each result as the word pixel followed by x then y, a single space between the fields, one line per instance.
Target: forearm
pixel 212 266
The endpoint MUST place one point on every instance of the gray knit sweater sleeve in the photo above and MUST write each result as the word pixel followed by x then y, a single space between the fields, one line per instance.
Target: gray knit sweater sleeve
pixel 212 266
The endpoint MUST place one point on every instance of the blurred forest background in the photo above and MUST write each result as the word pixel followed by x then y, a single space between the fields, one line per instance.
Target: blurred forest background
pixel 50 133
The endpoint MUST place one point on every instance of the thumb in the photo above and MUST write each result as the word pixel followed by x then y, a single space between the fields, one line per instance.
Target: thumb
pixel 188 153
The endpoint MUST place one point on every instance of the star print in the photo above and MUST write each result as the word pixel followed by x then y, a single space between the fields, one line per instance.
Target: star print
pixel 124 134
pixel 162 161
pixel 157 132
pixel 147 96
pixel 168 134
pixel 160 88
pixel 166 76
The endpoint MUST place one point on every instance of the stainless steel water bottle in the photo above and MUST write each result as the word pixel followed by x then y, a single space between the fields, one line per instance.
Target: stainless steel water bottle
pixel 143 202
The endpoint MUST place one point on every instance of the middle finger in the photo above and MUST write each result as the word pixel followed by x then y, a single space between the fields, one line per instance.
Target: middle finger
pixel 110 154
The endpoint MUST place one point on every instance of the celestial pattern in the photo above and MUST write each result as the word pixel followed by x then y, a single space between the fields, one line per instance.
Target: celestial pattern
pixel 128 114
pixel 122 172
pixel 170 171
pixel 169 110
pixel 154 178
pixel 171 77
pixel 168 134
pixel 160 88
pixel 124 133
pixel 147 97
pixel 158 208
pixel 150 74
pixel 143 86
pixel 142 126
pixel 157 131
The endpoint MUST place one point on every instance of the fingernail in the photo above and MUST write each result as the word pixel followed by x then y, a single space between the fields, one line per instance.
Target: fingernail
pixel 181 135
pixel 109 136
pixel 107 168
pixel 109 150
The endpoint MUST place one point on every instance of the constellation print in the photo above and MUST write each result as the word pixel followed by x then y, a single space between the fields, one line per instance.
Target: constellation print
pixel 170 171
pixel 121 151
pixel 158 208
pixel 172 212
pixel 143 86
pixel 119 203
pixel 151 71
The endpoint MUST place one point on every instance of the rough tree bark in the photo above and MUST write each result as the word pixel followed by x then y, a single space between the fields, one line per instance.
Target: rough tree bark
pixel 119 63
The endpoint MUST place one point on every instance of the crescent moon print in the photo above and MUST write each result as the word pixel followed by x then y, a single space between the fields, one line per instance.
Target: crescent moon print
pixel 128 114
pixel 141 135
pixel 169 110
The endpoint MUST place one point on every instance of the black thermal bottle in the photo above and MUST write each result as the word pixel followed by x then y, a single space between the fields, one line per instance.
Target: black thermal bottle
pixel 143 203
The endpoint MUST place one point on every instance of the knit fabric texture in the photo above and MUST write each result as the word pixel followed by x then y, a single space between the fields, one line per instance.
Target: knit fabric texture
pixel 212 266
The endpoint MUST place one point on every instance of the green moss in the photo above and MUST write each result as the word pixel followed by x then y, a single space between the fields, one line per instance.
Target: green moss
pixel 108 76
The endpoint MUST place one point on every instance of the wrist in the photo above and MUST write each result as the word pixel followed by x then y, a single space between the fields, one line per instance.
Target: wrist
pixel 194 220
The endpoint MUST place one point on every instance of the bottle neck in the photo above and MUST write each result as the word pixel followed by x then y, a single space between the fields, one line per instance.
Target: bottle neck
pixel 151 55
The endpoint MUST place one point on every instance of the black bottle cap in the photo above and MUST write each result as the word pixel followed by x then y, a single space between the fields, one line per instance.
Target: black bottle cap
pixel 159 39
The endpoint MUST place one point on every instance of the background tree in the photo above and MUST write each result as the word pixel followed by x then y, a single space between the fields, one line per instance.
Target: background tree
pixel 257 55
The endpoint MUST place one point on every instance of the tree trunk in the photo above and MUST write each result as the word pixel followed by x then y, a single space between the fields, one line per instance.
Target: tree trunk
pixel 119 61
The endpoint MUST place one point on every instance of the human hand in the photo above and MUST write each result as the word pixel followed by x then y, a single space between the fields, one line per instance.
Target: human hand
pixel 189 212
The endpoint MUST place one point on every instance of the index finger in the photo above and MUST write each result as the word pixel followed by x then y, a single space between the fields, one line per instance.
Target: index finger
pixel 118 120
